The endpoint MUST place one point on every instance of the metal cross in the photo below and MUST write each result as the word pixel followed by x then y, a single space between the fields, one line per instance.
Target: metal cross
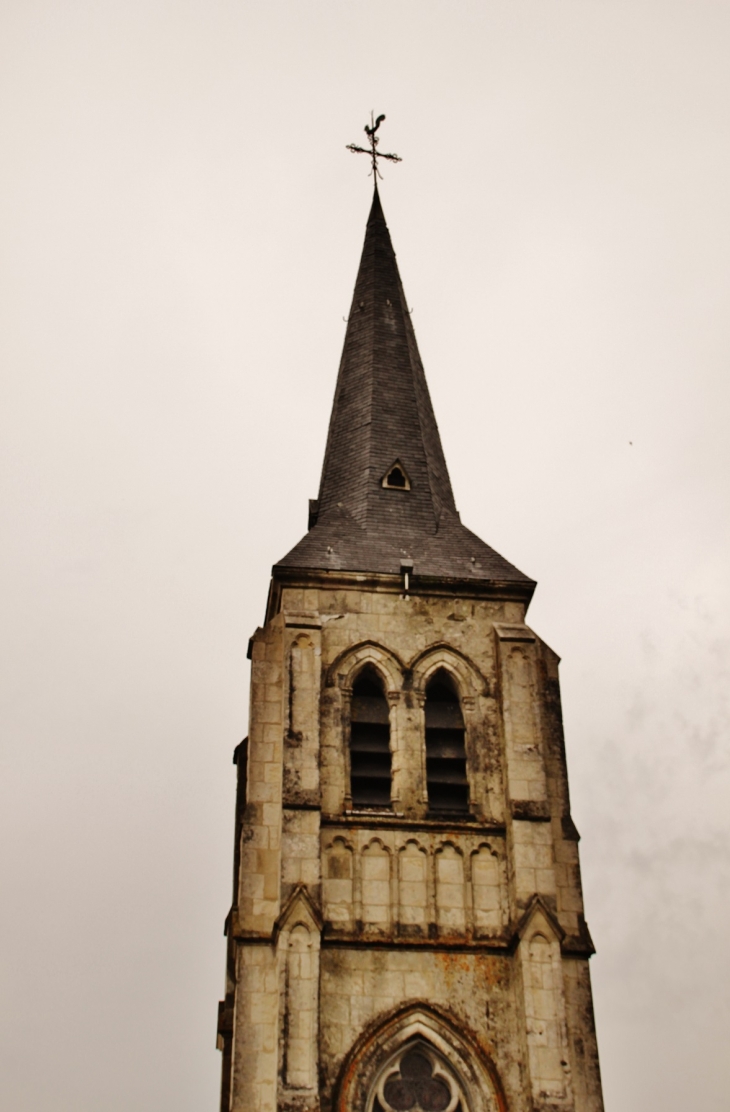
pixel 374 153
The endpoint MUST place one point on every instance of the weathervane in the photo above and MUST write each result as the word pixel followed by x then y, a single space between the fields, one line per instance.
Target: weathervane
pixel 374 153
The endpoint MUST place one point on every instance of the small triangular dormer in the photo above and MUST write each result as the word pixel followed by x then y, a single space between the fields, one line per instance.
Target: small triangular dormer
pixel 396 477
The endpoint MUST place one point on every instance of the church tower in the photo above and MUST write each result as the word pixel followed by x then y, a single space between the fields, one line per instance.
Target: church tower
pixel 407 929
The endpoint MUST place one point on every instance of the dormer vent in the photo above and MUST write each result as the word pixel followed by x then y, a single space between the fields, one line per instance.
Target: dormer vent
pixel 396 478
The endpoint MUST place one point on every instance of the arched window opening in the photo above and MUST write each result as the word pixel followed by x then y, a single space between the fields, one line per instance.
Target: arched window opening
pixel 370 774
pixel 396 478
pixel 447 784
pixel 417 1080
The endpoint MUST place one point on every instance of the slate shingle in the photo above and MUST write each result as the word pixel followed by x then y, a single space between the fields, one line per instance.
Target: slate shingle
pixel 382 412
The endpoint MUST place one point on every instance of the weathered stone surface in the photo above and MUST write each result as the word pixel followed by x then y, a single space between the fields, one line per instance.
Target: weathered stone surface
pixel 405 909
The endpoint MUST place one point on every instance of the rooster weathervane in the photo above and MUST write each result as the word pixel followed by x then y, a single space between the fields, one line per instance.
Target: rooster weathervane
pixel 374 153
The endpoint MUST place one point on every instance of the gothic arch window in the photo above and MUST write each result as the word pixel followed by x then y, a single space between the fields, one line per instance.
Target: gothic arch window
pixel 370 766
pixel 446 779
pixel 396 477
pixel 417 1079
pixel 418 1061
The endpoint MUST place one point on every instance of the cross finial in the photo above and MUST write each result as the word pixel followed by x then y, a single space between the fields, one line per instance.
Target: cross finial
pixel 374 153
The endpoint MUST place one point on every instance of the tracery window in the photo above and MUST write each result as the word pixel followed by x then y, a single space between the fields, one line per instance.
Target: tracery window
pixel 417 1079
pixel 370 771
pixel 446 779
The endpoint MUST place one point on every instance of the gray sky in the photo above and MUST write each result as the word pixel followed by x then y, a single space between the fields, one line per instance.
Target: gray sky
pixel 181 228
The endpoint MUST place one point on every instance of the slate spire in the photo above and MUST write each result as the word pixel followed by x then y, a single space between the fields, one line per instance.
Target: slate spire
pixel 382 416
pixel 382 410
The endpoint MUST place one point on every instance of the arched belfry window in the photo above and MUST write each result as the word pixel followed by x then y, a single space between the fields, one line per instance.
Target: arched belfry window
pixel 446 780
pixel 417 1080
pixel 370 774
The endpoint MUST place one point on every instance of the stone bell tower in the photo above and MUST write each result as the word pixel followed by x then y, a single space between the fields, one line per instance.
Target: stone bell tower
pixel 407 928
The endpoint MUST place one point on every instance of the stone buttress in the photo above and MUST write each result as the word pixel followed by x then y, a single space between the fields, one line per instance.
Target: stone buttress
pixel 407 928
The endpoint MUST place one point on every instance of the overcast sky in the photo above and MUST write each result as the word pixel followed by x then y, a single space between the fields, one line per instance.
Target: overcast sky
pixel 181 227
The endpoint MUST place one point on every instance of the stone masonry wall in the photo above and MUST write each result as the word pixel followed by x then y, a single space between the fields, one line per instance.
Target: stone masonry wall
pixel 345 918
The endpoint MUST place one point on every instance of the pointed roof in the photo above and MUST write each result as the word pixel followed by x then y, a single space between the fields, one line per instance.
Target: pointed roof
pixel 382 416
